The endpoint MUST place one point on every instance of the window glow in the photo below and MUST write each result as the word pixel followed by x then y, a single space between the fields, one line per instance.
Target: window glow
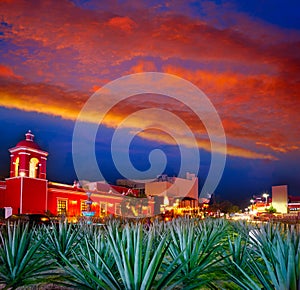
pixel 62 206
pixel 33 168
pixel 17 163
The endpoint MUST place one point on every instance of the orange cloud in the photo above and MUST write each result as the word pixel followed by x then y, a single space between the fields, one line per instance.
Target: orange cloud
pixel 206 145
pixel 46 99
pixel 143 66
pixel 96 88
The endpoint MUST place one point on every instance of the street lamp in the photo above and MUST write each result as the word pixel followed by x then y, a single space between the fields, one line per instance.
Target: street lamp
pixel 252 202
pixel 265 195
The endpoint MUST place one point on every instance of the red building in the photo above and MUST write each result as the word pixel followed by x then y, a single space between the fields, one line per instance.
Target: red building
pixel 27 190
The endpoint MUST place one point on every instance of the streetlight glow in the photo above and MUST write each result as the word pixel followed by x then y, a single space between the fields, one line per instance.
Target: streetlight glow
pixel 252 202
pixel 265 195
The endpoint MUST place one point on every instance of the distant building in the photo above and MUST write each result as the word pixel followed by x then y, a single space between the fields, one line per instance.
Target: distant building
pixel 280 198
pixel 138 186
pixel 283 202
pixel 164 185
pixel 175 191
pixel 294 204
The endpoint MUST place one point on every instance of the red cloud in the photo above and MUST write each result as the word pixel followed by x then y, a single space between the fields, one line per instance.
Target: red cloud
pixel 257 108
pixel 249 69
pixel 7 72
pixel 123 23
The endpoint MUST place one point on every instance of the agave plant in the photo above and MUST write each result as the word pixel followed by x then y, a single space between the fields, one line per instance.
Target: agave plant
pixel 61 240
pixel 237 247
pixel 234 258
pixel 20 261
pixel 160 228
pixel 139 259
pixel 242 228
pixel 273 257
pixel 126 259
pixel 200 245
pixel 90 231
pixel 92 266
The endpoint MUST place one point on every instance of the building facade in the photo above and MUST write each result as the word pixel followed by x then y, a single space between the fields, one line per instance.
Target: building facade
pixel 27 190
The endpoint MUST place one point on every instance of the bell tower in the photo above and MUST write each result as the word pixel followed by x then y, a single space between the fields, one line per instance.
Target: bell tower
pixel 26 188
pixel 27 159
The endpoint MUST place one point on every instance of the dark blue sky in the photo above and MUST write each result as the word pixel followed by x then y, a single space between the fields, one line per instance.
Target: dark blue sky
pixel 241 178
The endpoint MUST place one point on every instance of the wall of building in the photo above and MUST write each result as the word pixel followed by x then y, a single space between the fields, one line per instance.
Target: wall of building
pixel 26 195
pixel 157 188
pixel 34 195
pixel 102 202
pixel 179 188
pixel 12 194
pixel 185 188
pixel 72 197
pixel 280 198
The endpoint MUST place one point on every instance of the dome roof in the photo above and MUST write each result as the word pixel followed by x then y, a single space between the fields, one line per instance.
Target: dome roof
pixel 28 142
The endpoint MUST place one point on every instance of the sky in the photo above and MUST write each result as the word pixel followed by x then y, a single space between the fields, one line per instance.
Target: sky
pixel 243 55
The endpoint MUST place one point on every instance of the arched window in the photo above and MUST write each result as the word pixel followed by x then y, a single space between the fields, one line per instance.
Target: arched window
pixel 33 167
pixel 17 163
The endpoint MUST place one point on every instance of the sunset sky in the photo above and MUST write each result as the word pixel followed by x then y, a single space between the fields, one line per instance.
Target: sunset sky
pixel 244 55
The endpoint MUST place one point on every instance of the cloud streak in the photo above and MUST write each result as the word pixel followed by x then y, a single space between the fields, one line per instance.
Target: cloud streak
pixel 39 98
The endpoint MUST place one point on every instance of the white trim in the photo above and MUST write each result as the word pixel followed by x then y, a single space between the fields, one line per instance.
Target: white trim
pixel 46 203
pixel 53 190
pixel 24 153
pixel 25 148
pixel 62 198
pixel 95 194
pixel 21 196
pixel 25 177
pixel 60 184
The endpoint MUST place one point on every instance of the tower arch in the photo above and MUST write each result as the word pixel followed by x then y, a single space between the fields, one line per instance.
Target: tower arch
pixel 33 167
pixel 16 166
